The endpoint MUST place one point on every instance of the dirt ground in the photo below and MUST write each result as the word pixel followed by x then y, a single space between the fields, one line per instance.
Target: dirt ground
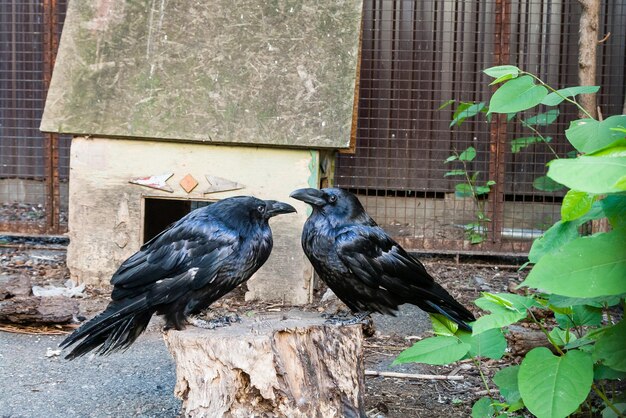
pixel 385 397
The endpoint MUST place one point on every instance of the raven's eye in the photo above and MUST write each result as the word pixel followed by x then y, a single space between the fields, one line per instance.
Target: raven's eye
pixel 261 208
pixel 332 198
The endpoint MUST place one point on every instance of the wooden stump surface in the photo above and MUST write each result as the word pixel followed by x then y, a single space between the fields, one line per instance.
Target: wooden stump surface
pixel 272 365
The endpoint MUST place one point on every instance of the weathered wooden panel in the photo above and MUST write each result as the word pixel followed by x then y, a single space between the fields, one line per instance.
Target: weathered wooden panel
pixel 277 72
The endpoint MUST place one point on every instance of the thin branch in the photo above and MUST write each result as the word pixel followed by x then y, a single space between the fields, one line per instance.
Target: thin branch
pixel 526 125
pixel 567 99
pixel 412 376
pixel 606 400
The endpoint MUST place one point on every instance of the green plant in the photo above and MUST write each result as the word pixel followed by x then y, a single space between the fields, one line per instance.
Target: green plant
pixel 576 282
pixel 475 231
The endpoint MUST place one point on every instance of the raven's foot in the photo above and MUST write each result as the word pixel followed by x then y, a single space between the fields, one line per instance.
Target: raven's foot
pixel 222 321
pixel 358 318
pixel 341 314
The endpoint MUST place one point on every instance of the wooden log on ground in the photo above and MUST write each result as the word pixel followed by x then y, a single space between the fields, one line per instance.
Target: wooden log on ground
pixel 522 340
pixel 279 365
pixel 38 310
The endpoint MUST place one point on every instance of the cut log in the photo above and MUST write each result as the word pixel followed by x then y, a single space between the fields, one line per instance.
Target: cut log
pixel 522 340
pixel 273 365
pixel 38 310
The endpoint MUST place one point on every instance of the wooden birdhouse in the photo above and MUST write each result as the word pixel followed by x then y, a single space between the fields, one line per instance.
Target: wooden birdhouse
pixel 173 105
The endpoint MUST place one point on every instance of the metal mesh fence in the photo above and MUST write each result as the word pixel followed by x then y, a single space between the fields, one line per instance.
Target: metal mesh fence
pixel 32 165
pixel 416 55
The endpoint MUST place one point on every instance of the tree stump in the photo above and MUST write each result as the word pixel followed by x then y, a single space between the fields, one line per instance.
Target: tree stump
pixel 275 365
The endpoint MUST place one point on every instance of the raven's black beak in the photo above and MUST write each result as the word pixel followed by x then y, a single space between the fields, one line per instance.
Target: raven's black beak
pixel 313 197
pixel 276 208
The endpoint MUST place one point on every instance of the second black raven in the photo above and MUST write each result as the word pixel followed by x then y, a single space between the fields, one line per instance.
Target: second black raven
pixel 181 271
pixel 362 265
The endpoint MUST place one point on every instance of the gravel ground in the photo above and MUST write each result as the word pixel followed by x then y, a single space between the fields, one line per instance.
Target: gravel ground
pixel 139 382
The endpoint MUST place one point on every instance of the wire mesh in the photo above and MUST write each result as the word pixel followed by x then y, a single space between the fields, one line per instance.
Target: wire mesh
pixel 30 195
pixel 416 55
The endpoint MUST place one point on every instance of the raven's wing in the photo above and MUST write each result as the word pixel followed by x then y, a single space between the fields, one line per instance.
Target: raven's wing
pixel 379 261
pixel 196 243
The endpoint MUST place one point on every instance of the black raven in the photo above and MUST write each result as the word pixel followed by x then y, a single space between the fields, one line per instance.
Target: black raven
pixel 362 265
pixel 181 271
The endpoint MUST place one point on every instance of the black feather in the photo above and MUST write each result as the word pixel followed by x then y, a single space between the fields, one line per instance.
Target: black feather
pixel 181 271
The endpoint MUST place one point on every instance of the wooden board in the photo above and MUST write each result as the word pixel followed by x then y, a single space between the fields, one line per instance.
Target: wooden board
pixel 226 71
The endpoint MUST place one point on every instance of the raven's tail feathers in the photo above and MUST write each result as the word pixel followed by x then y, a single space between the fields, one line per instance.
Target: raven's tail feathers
pixel 114 329
pixel 453 313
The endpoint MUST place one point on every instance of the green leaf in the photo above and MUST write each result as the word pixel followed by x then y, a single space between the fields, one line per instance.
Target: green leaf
pixel 584 267
pixel 589 135
pixel 501 301
pixel 561 233
pixel 450 158
pixel 468 155
pixel 614 207
pixel 463 190
pixel 455 173
pixel 611 347
pixel 491 183
pixel 483 408
pixel 496 320
pixel 546 184
pixel 518 144
pixel 506 379
pixel 581 315
pixel 435 350
pixel 602 372
pixel 480 190
pixel 506 309
pixel 615 149
pixel 466 112
pixel 442 325
pixel 597 175
pixel 591 337
pixel 576 204
pixel 502 70
pixel 599 302
pixel 543 119
pixel 516 95
pixel 553 386
pixel 476 237
pixel 491 343
pixel 554 238
pixel 501 79
pixel 557 97
pixel 446 104
pixel 496 302
pixel 561 337
pixel 620 184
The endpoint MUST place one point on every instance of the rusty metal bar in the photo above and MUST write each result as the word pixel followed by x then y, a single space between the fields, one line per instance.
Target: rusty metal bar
pixel 50 46
pixel 497 140
pixel 453 246
pixel 23 228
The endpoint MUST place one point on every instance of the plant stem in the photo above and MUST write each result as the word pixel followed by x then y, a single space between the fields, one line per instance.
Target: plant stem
pixel 559 94
pixel 545 331
pixel 606 400
pixel 482 376
pixel 536 132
